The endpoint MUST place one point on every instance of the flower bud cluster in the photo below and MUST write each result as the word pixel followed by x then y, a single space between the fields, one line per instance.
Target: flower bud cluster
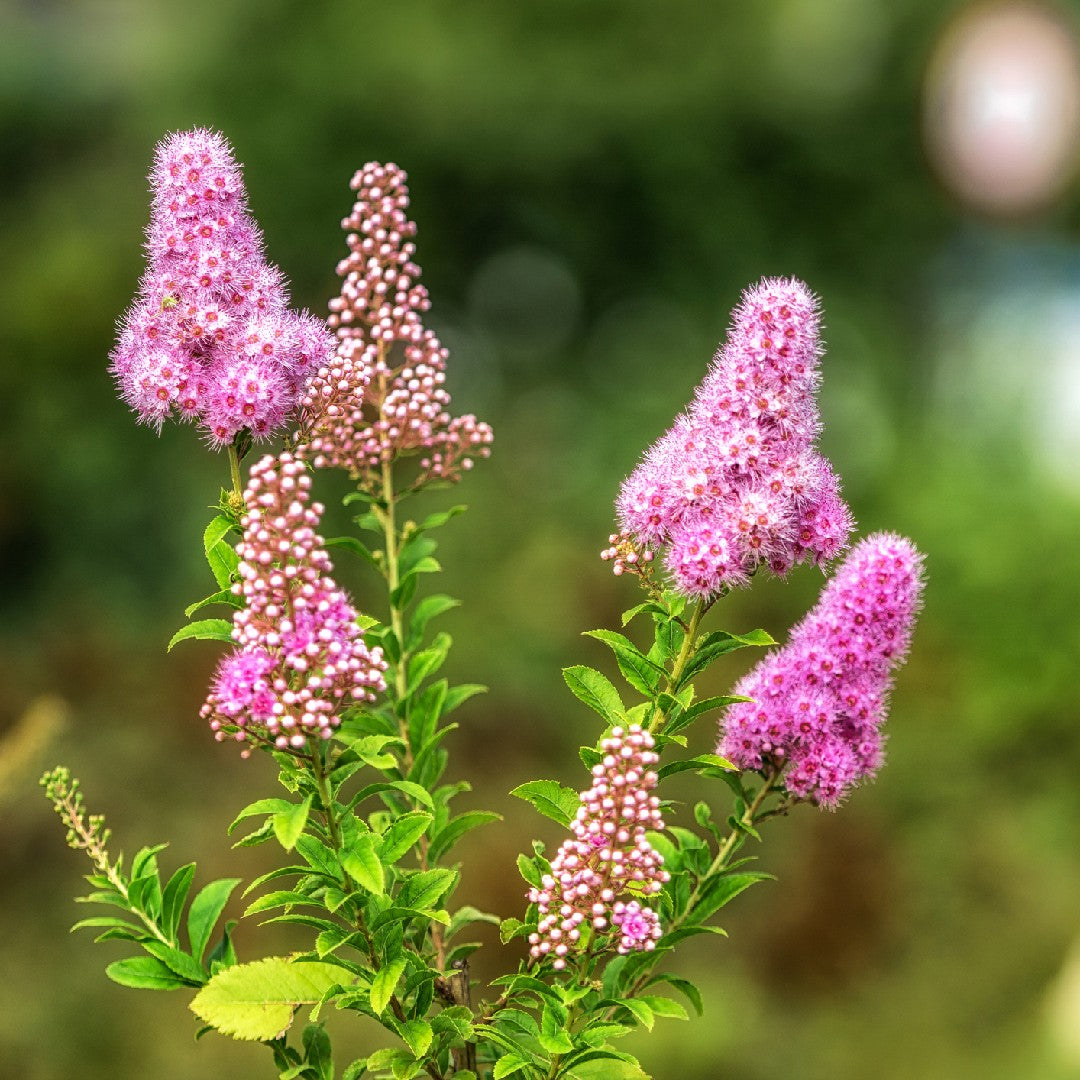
pixel 383 394
pixel 300 654
pixel 737 483
pixel 820 701
pixel 608 855
pixel 210 337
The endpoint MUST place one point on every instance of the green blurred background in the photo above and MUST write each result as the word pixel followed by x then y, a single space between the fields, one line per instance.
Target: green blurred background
pixel 594 182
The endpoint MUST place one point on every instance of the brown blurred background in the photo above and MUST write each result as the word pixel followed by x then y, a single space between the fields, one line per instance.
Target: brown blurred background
pixel 594 182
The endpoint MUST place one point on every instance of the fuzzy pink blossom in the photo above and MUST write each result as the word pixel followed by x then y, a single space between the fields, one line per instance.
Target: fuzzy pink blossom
pixel 608 855
pixel 300 654
pixel 818 704
pixel 210 337
pixel 382 395
pixel 737 483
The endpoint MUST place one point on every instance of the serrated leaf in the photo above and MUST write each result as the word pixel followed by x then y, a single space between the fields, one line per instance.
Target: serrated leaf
pixel 260 806
pixel 638 670
pixel 708 764
pixel 685 986
pixel 280 898
pixel 176 961
pixel 588 685
pixel 507 1065
pixel 509 929
pixel 289 824
pixel 722 889
pixel 256 1001
pixel 203 630
pixel 384 983
pixel 607 1067
pixel 317 1051
pixel 448 836
pixel 402 834
pixel 205 911
pixel 664 1006
pixel 222 596
pixel 406 787
pixel 363 865
pixel 649 606
pixel 145 973
pixel 528 870
pixel 720 643
pixel 425 889
pixel 417 1035
pixel 550 798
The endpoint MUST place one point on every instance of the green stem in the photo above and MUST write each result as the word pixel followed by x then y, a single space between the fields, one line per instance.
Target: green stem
pixel 234 469
pixel 680 663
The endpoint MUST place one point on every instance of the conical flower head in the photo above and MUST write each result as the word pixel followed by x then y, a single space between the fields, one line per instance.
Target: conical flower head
pixel 737 483
pixel 210 337
pixel 383 394
pixel 300 655
pixel 818 704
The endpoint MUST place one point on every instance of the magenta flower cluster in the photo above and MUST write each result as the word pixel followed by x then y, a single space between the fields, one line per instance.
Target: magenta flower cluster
pixel 300 653
pixel 608 855
pixel 383 394
pixel 737 483
pixel 818 704
pixel 210 337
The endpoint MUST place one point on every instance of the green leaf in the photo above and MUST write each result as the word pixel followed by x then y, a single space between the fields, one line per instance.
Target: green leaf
pixel 289 824
pixel 467 915
pixel 692 993
pixel 448 836
pixel 458 695
pixel 260 806
pixel 354 547
pixel 596 691
pixel 425 889
pixel 638 670
pixel 384 983
pixel 406 787
pixel 510 928
pixel 402 834
pixel 256 1001
pixel 640 1011
pixel 362 864
pixel 280 898
pixel 318 856
pixel 685 717
pixel 317 1053
pixel 528 869
pixel 608 1067
pixel 638 609
pixel 173 898
pixel 219 553
pixel 203 630
pixel 663 1006
pixel 426 610
pixel 550 798
pixel 145 973
pixel 709 764
pixel 439 518
pixel 426 662
pixel 222 596
pixel 417 1035
pixel 205 911
pixel 176 961
pixel 507 1065
pixel 722 889
pixel 718 644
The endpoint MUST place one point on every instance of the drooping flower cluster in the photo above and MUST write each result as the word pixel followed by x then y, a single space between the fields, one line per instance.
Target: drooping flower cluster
pixel 820 701
pixel 300 654
pixel 737 482
pixel 383 393
pixel 210 337
pixel 608 855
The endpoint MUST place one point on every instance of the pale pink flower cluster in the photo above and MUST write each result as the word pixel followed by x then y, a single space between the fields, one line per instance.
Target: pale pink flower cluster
pixel 819 703
pixel 608 855
pixel 300 653
pixel 737 483
pixel 210 337
pixel 383 394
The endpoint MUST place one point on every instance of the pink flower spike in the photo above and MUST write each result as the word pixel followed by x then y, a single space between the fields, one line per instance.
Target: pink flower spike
pixel 737 484
pixel 818 704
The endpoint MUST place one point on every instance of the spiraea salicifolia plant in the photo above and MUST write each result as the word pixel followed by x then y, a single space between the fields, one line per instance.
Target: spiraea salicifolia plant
pixel 349 705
